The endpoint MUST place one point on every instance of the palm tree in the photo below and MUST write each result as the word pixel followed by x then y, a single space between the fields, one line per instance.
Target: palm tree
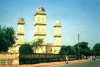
pixel 36 43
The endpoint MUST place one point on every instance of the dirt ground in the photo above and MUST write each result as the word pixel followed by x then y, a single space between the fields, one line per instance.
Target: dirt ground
pixel 49 64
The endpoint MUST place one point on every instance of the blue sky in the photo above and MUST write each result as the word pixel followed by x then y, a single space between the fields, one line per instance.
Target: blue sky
pixel 75 16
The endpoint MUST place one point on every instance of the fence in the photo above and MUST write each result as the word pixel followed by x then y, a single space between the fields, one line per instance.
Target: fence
pixel 9 58
pixel 37 58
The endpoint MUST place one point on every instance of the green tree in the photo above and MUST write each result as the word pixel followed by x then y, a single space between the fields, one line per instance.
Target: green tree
pixel 69 50
pixel 83 49
pixel 63 50
pixel 96 49
pixel 91 52
pixel 7 38
pixel 25 49
pixel 36 43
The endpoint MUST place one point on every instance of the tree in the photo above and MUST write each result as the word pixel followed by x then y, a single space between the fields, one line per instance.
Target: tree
pixel 63 50
pixel 7 38
pixel 91 52
pixel 25 49
pixel 69 50
pixel 36 43
pixel 96 49
pixel 83 48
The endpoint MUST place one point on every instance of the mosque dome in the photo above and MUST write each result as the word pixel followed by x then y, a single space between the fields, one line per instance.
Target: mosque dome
pixel 21 20
pixel 40 9
pixel 57 22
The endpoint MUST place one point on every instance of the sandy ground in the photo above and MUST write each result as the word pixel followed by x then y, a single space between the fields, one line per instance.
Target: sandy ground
pixel 49 64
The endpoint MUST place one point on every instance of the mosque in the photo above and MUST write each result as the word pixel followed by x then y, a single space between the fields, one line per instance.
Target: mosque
pixel 40 32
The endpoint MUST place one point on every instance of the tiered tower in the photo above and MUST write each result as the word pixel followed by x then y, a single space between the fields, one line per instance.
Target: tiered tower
pixel 57 33
pixel 57 37
pixel 20 33
pixel 40 28
pixel 40 24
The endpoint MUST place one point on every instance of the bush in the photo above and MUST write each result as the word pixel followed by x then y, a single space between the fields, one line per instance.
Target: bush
pixel 25 49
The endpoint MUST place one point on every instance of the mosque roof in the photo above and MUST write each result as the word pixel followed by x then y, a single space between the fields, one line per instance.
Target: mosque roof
pixel 40 10
pixel 57 24
pixel 21 20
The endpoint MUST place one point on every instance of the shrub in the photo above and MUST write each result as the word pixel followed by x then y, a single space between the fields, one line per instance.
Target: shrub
pixel 25 49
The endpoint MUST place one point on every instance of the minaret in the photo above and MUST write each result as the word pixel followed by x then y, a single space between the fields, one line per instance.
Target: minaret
pixel 40 24
pixel 57 38
pixel 57 33
pixel 20 33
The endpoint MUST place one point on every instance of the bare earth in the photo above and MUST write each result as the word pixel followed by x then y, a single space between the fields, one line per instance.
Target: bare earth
pixel 49 64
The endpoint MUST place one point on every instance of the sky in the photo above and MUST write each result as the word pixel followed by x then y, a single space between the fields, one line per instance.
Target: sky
pixel 75 16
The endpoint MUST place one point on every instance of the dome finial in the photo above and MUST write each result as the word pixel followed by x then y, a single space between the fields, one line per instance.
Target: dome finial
pixel 21 19
pixel 21 16
pixel 57 22
pixel 40 6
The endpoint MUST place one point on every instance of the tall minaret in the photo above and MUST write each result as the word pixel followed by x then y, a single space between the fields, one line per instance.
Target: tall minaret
pixel 57 33
pixel 20 33
pixel 57 38
pixel 40 24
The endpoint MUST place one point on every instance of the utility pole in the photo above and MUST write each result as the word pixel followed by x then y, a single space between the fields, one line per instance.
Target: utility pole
pixel 79 44
pixel 78 47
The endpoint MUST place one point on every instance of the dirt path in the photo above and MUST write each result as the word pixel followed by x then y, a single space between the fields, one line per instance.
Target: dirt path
pixel 45 64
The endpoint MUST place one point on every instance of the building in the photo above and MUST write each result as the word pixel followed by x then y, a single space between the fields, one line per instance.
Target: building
pixel 40 33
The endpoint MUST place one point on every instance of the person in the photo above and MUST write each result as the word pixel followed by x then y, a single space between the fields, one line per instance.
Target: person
pixel 94 58
pixel 90 59
pixel 66 61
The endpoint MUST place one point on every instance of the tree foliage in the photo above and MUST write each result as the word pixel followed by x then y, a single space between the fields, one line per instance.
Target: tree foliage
pixel 25 49
pixel 69 50
pixel 7 38
pixel 36 43
pixel 63 50
pixel 96 49
pixel 83 48
pixel 73 50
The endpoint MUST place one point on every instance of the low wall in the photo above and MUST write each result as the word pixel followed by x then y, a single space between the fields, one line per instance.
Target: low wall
pixel 9 58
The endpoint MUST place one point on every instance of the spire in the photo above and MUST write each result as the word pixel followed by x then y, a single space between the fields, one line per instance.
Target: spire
pixel 40 6
pixel 57 24
pixel 21 20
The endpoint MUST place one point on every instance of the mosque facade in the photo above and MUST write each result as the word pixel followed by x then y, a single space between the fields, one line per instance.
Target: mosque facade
pixel 40 23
